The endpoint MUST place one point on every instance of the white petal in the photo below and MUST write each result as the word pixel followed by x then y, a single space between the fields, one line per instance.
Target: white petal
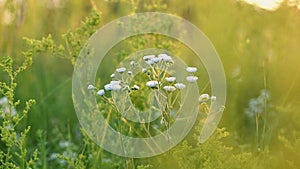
pixel 169 88
pixel 152 83
pixel 180 85
pixel 121 70
pixel 101 92
pixel 156 59
pixel 191 79
pixel 115 82
pixel 203 98
pixel 136 87
pixel 165 57
pixel 148 57
pixel 91 87
pixel 108 87
pixel 170 79
pixel 116 87
pixel 150 62
pixel 191 69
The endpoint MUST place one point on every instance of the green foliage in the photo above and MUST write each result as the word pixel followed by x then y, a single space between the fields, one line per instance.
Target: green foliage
pixel 252 42
pixel 213 154
pixel 73 40
pixel 16 153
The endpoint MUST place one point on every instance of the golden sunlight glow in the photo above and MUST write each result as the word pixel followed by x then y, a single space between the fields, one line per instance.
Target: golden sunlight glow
pixel 266 4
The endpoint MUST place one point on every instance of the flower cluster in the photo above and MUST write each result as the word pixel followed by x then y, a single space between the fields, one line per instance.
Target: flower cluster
pixel 258 105
pixel 205 97
pixel 152 59
pixel 157 80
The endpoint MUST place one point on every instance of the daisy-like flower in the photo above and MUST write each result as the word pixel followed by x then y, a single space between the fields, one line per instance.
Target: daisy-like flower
pixel 180 86
pixel 116 87
pixel 191 69
pixel 112 75
pixel 150 62
pixel 101 92
pixel 156 59
pixel 191 79
pixel 91 87
pixel 107 87
pixel 113 85
pixel 135 87
pixel 162 55
pixel 170 79
pixel 165 57
pixel 129 72
pixel 121 70
pixel 169 88
pixel 152 83
pixel 213 98
pixel 203 98
pixel 148 57
pixel 115 82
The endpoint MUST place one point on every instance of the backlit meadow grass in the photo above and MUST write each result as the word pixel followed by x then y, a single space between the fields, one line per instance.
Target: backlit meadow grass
pixel 41 40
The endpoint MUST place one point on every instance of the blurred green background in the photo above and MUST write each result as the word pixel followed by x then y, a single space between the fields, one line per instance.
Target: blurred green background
pixel 259 49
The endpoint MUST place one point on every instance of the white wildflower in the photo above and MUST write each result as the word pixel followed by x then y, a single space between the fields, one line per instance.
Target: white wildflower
pixel 111 85
pixel 129 72
pixel 136 87
pixel 203 98
pixel 191 69
pixel 169 88
pixel 113 75
pixel 148 57
pixel 165 57
pixel 180 86
pixel 107 87
pixel 156 59
pixel 116 87
pixel 191 79
pixel 152 83
pixel 150 62
pixel 113 82
pixel 162 55
pixel 91 87
pixel 170 79
pixel 121 70
pixel 258 105
pixel 101 92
